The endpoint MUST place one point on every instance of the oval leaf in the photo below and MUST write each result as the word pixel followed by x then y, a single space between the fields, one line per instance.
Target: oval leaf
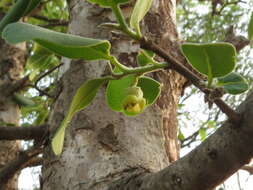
pixel 108 3
pixel 19 9
pixel 250 28
pixel 215 59
pixel 83 97
pixel 66 45
pixel 151 89
pixel 140 10
pixel 116 91
pixel 233 83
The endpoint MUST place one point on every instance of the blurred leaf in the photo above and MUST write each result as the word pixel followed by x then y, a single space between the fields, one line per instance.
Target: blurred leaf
pixel 83 97
pixel 19 9
pixel 250 28
pixel 23 101
pixel 211 124
pixel 233 83
pixel 202 133
pixel 66 45
pixel 140 10
pixel 181 135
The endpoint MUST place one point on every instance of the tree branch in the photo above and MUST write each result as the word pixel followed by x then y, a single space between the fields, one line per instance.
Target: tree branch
pixel 12 167
pixel 46 19
pixel 23 133
pixel 36 161
pixel 248 169
pixel 181 69
pixel 217 158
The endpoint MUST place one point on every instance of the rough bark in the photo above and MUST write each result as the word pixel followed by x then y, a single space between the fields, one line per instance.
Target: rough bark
pixel 11 65
pixel 100 145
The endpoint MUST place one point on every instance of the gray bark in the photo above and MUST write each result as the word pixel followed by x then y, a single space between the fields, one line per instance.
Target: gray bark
pixel 102 146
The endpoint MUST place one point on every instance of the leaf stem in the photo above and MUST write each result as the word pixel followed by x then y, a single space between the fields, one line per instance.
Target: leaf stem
pixel 137 70
pixel 122 22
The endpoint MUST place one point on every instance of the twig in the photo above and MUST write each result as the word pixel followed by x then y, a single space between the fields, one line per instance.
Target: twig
pixel 36 161
pixel 215 12
pixel 41 77
pixel 46 19
pixel 238 181
pixel 42 92
pixel 190 139
pixel 181 69
pixel 55 24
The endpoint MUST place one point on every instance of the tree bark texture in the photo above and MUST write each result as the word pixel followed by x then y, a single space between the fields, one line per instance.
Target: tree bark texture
pixel 102 146
pixel 12 59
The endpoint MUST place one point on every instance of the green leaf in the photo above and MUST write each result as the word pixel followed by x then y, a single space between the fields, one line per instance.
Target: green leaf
pixel 233 83
pixel 23 101
pixel 20 8
pixel 181 135
pixel 83 97
pixel 140 10
pixel 151 89
pixel 116 91
pixel 108 3
pixel 250 28
pixel 145 57
pixel 66 45
pixel 213 60
pixel 31 5
pixel 202 133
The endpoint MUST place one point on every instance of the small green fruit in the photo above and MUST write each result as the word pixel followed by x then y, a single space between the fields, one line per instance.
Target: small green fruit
pixel 134 103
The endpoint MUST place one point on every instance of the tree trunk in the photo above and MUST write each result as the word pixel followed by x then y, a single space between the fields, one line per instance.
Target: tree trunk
pixel 102 146
pixel 12 59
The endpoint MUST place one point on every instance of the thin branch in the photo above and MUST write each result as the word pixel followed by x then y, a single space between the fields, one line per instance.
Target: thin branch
pixel 36 161
pixel 181 69
pixel 55 24
pixel 23 133
pixel 215 12
pixel 46 19
pixel 190 139
pixel 238 181
pixel 15 165
pixel 248 169
pixel 41 77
